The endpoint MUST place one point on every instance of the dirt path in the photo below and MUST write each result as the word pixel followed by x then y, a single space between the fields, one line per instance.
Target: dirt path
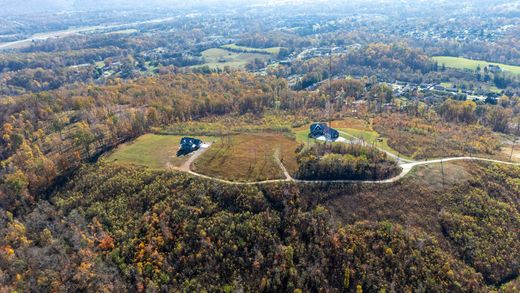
pixel 186 166
pixel 285 172
pixel 406 168
pixel 392 155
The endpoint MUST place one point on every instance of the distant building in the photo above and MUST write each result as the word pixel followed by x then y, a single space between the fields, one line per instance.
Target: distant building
pixel 494 68
pixel 321 129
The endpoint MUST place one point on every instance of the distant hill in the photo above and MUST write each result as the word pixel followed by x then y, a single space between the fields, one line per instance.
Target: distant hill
pixel 14 7
pixel 31 6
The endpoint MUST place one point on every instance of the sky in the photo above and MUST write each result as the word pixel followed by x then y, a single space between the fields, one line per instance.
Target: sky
pixel 23 6
pixel 31 6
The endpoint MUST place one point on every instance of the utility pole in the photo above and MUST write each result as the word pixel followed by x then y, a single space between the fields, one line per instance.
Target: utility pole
pixel 329 101
pixel 442 170
pixel 399 139
pixel 330 86
pixel 512 149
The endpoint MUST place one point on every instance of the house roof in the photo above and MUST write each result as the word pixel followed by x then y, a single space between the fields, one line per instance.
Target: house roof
pixel 190 141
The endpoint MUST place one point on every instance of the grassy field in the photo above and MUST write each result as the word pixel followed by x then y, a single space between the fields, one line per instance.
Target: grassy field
pixel 507 155
pixel 273 50
pixel 447 84
pixel 464 63
pixel 219 58
pixel 355 127
pixel 371 138
pixel 248 157
pixel 123 32
pixel 154 151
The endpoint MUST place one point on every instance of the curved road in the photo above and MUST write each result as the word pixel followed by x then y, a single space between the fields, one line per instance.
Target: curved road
pixel 361 142
pixel 406 168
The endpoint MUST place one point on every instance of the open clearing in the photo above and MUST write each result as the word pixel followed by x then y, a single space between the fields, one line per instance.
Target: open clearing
pixel 273 50
pixel 151 150
pixel 464 63
pixel 248 157
pixel 370 137
pixel 352 127
pixel 505 151
pixel 123 32
pixel 219 58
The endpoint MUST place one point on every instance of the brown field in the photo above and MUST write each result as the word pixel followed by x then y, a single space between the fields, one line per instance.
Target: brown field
pixel 506 153
pixel 248 157
pixel 352 123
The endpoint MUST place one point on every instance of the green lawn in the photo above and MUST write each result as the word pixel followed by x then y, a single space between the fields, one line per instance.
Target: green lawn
pixel 219 58
pixel 369 136
pixel 302 134
pixel 273 50
pixel 494 89
pixel 447 84
pixel 151 150
pixel 464 63
pixel 123 32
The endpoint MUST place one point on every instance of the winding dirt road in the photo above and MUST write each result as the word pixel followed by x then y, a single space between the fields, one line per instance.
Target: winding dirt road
pixel 406 168
pixel 361 142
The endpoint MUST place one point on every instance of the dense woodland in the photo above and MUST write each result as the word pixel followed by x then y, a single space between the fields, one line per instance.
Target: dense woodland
pixel 339 161
pixel 47 134
pixel 268 235
pixel 70 221
pixel 196 235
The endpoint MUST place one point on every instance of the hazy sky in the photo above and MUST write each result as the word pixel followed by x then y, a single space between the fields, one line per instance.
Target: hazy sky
pixel 24 6
pixel 11 7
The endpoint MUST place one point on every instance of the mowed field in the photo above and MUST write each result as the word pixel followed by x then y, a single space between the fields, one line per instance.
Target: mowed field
pixel 248 157
pixel 273 50
pixel 464 63
pixel 353 127
pixel 151 150
pixel 219 58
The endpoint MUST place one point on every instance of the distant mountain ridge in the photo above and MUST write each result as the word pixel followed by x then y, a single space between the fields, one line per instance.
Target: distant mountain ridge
pixel 16 7
pixel 45 6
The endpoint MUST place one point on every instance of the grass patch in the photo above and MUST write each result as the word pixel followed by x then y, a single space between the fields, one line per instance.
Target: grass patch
pixel 447 84
pixel 464 63
pixel 302 135
pixel 358 128
pixel 219 58
pixel 123 32
pixel 507 155
pixel 494 89
pixel 235 47
pixel 249 157
pixel 352 123
pixel 150 150
pixel 371 137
